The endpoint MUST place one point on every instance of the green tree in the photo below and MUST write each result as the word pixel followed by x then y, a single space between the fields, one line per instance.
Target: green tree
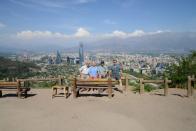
pixel 178 72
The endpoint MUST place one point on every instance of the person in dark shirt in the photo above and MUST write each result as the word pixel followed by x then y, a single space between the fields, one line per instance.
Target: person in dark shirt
pixel 102 69
pixel 116 71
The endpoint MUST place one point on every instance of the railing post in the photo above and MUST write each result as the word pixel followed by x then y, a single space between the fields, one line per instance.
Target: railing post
pixel 18 89
pixel 166 86
pixel 0 93
pixel 126 82
pixel 189 87
pixel 59 80
pixel 141 86
pixel 109 87
pixel 192 87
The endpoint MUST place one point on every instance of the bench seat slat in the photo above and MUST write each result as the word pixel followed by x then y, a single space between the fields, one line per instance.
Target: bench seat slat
pixel 93 87
pixel 93 84
pixel 7 88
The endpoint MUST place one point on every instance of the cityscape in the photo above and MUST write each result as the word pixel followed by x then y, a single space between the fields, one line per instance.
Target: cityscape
pixel 144 64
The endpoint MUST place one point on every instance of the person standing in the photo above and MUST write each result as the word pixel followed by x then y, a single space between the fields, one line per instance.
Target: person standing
pixel 116 71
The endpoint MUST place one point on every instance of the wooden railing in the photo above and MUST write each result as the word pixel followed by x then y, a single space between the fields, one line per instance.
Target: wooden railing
pixel 26 81
pixel 190 85
pixel 165 81
pixel 126 77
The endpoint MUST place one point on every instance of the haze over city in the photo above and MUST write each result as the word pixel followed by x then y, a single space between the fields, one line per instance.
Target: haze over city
pixel 130 25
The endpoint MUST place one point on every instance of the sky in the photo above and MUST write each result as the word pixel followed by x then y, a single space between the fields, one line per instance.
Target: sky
pixel 47 21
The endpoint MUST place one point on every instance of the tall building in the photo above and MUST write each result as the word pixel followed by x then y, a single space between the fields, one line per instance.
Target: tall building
pixel 58 58
pixel 81 53
pixel 50 61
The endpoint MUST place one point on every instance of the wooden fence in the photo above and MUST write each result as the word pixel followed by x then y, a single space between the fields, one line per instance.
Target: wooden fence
pixel 126 77
pixel 190 85
pixel 165 81
pixel 26 81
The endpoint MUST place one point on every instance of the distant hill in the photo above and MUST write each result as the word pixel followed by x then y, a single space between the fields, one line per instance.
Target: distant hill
pixel 164 42
pixel 9 68
pixel 175 42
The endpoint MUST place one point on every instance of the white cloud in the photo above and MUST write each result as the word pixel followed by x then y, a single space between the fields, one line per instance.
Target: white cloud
pixel 2 25
pixel 28 34
pixel 136 33
pixel 81 32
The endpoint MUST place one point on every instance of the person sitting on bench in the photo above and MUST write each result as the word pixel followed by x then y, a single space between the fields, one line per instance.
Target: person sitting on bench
pixel 84 70
pixel 93 71
pixel 102 69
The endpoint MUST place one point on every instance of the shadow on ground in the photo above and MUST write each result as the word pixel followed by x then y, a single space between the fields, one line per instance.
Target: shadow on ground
pixel 14 95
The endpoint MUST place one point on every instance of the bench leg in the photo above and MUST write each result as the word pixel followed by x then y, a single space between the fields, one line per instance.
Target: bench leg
pixel 19 94
pixel 110 92
pixel 67 88
pixel 0 93
pixel 25 94
pixel 53 93
pixel 65 91
pixel 74 92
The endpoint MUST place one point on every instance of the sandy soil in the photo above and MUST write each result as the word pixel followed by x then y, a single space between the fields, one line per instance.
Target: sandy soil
pixel 148 112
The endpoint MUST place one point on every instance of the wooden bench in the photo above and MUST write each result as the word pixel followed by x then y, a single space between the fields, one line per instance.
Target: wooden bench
pixel 13 86
pixel 107 84
pixel 60 87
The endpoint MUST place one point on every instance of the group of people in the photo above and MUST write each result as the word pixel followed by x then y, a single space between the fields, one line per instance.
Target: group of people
pixel 92 70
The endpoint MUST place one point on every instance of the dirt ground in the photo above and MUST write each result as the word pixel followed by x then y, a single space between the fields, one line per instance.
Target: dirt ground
pixel 124 112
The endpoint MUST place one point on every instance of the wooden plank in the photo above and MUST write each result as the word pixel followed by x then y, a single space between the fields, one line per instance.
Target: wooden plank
pixel 141 86
pixel 74 88
pixel 94 84
pixel 94 80
pixel 94 87
pixel 41 79
pixel 91 83
pixel 192 85
pixel 153 81
pixel 126 83
pixel 8 83
pixel 189 87
pixel 0 93
pixel 109 88
pixel 156 81
pixel 18 89
pixel 166 87
pixel 7 88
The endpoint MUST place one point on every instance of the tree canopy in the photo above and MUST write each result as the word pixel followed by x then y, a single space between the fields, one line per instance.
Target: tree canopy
pixel 178 72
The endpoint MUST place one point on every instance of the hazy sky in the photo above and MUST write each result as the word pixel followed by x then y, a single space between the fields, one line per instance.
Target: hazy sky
pixel 77 19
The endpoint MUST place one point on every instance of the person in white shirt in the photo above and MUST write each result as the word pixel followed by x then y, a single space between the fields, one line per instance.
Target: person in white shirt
pixel 84 70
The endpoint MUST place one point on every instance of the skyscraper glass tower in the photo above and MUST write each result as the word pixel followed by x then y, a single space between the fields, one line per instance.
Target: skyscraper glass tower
pixel 58 58
pixel 81 53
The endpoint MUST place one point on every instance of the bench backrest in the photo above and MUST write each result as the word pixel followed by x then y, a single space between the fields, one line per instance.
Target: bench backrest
pixel 8 84
pixel 95 82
